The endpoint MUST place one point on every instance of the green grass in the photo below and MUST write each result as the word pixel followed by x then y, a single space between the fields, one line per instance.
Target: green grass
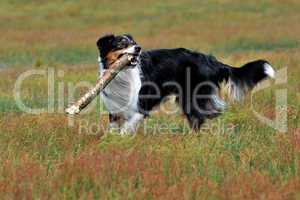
pixel 40 57
pixel 246 44
pixel 235 156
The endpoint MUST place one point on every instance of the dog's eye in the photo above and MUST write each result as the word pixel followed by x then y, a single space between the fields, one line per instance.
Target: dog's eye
pixel 122 45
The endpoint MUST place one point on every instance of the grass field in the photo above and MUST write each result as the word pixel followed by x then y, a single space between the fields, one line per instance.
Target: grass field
pixel 235 156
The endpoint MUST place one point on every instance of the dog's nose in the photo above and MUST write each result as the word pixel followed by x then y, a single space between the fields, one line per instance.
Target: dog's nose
pixel 137 48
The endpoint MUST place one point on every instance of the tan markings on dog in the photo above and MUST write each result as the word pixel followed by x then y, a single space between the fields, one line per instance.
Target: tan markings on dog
pixel 112 56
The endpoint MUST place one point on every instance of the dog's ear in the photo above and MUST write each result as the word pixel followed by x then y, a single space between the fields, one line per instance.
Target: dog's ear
pixel 105 41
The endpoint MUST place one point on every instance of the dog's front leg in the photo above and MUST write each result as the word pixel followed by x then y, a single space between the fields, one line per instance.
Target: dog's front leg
pixel 115 122
pixel 130 125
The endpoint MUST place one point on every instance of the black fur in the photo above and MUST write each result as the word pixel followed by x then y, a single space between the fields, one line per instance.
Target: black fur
pixel 105 44
pixel 188 67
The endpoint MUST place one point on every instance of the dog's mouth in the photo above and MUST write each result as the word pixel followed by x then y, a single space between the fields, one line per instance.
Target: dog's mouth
pixel 135 52
pixel 134 60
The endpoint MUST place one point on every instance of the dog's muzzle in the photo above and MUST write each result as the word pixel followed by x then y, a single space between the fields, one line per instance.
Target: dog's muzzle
pixel 135 51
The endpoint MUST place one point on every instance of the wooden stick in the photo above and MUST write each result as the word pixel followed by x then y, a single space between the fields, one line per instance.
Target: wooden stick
pixel 108 75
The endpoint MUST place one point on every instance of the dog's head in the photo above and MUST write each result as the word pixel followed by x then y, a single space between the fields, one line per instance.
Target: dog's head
pixel 112 47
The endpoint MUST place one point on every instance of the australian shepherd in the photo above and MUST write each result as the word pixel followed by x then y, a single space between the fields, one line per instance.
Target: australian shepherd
pixel 193 77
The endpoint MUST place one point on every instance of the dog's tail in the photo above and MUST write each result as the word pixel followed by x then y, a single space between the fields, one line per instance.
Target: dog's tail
pixel 241 80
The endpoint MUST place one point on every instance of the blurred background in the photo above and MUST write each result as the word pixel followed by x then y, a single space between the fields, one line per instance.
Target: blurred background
pixel 37 32
pixel 235 156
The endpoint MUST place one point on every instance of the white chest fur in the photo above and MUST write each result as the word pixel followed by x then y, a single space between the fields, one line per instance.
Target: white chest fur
pixel 121 94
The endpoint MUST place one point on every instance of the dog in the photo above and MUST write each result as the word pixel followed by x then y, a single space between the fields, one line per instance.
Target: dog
pixel 193 77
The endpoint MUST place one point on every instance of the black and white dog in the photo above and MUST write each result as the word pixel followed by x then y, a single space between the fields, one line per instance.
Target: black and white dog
pixel 194 78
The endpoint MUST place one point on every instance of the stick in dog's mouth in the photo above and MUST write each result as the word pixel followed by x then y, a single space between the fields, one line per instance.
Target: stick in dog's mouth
pixel 108 75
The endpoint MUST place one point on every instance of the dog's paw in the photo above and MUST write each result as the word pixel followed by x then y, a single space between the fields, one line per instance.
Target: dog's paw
pixel 127 131
pixel 72 110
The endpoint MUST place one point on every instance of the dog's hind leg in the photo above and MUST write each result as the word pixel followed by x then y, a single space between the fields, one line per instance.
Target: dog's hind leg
pixel 195 118
pixel 195 121
pixel 198 110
